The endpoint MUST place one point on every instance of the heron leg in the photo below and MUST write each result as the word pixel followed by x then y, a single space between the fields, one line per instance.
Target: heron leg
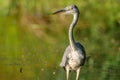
pixel 77 73
pixel 67 72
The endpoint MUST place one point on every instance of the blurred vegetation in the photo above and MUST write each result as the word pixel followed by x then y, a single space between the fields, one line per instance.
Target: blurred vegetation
pixel 32 41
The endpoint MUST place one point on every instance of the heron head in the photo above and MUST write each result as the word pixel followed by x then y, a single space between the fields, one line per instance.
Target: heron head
pixel 71 9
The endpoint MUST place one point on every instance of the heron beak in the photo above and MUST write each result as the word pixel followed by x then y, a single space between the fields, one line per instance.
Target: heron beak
pixel 59 11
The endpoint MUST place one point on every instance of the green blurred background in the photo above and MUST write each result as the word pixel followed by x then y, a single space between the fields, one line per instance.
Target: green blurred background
pixel 32 41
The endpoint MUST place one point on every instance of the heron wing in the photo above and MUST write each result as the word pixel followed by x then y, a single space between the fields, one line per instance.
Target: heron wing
pixel 65 57
pixel 82 52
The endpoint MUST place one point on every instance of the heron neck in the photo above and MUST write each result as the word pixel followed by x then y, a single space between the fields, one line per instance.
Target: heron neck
pixel 71 38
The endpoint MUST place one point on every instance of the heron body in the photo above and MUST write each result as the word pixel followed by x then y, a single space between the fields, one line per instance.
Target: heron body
pixel 74 58
pixel 74 55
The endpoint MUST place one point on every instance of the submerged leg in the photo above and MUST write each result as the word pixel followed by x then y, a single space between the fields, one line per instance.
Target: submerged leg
pixel 77 73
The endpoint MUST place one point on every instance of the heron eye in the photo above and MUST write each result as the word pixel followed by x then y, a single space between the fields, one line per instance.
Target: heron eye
pixel 70 8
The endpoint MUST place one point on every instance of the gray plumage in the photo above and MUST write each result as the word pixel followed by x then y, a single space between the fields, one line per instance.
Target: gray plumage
pixel 74 55
pixel 68 55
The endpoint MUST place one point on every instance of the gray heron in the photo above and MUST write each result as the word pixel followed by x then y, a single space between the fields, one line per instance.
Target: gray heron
pixel 74 55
